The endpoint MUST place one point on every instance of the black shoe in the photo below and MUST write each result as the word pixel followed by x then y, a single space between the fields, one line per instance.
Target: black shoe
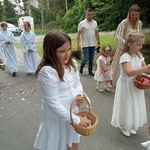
pixel 14 74
pixel 81 70
pixel 91 73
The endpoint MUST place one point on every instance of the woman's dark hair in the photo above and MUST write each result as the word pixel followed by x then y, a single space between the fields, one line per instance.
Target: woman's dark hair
pixel 52 41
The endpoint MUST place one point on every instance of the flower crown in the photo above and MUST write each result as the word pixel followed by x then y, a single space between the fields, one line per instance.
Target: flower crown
pixel 107 48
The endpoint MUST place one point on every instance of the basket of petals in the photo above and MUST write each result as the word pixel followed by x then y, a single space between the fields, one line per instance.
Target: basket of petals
pixel 142 81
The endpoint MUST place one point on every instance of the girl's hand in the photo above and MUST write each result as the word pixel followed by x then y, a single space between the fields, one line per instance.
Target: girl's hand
pixel 29 50
pixel 84 121
pixel 79 100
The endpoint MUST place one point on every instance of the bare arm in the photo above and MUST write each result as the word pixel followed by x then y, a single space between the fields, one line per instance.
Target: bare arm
pixel 97 38
pixel 78 40
pixel 102 66
pixel 133 72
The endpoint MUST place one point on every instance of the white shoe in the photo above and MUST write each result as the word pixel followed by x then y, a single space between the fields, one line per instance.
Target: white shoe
pixel 125 132
pixel 107 89
pixel 99 89
pixel 132 131
pixel 146 144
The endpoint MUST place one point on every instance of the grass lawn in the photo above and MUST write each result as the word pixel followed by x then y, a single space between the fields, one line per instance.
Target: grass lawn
pixel 104 40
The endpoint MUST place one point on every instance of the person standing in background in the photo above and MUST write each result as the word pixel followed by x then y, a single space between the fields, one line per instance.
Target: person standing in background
pixel 7 42
pixel 88 29
pixel 28 45
pixel 130 24
pixel 103 74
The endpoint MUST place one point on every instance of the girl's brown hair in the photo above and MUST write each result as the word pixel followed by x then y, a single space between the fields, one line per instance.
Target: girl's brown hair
pixel 29 25
pixel 3 23
pixel 131 38
pixel 52 41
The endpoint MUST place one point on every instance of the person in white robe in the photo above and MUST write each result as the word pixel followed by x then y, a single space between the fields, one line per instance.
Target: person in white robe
pixel 28 44
pixel 2 59
pixel 7 42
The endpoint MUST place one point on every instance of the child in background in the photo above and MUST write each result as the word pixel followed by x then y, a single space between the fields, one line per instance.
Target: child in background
pixel 129 110
pixel 28 45
pixel 2 59
pixel 103 74
pixel 7 42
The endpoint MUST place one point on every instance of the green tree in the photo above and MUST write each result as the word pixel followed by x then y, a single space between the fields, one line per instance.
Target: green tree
pixel 1 11
pixel 9 11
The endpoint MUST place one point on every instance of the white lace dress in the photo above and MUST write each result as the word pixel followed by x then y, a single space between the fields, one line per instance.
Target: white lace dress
pixel 129 109
pixel 99 74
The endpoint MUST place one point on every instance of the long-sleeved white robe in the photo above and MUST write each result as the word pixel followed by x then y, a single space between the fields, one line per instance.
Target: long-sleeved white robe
pixel 30 58
pixel 9 50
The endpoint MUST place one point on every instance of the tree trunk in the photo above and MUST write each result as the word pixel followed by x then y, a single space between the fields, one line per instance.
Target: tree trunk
pixel 66 5
pixel 48 5
pixel 42 13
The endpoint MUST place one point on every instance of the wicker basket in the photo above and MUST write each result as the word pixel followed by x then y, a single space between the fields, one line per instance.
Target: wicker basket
pixel 85 131
pixel 140 85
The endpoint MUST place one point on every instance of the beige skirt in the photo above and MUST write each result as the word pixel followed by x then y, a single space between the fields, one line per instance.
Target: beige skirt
pixel 115 66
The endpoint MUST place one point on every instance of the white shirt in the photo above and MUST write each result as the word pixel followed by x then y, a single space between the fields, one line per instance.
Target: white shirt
pixel 88 29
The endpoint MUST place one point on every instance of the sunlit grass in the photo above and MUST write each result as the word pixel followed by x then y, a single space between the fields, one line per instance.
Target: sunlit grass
pixel 104 40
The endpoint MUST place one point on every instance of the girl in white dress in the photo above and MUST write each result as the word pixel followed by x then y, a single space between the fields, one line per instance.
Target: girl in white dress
pixel 103 66
pixel 59 83
pixel 129 110
pixel 28 45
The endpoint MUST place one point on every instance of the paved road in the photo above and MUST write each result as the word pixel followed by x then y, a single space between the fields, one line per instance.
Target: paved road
pixel 20 102
pixel 73 36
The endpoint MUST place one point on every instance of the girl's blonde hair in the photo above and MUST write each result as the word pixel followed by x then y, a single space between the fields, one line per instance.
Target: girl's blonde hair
pixel 136 8
pixel 131 38
pixel 106 48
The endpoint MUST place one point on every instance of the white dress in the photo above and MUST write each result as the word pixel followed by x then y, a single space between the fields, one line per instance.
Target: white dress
pixel 99 74
pixel 2 56
pixel 9 50
pixel 55 131
pixel 30 58
pixel 129 110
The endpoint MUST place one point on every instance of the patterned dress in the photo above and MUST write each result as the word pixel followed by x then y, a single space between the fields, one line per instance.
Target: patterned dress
pixel 122 30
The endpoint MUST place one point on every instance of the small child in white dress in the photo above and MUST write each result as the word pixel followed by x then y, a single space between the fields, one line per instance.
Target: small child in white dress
pixel 103 74
pixel 129 109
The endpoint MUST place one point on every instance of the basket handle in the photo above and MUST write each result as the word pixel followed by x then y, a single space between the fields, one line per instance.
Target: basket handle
pixel 88 102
